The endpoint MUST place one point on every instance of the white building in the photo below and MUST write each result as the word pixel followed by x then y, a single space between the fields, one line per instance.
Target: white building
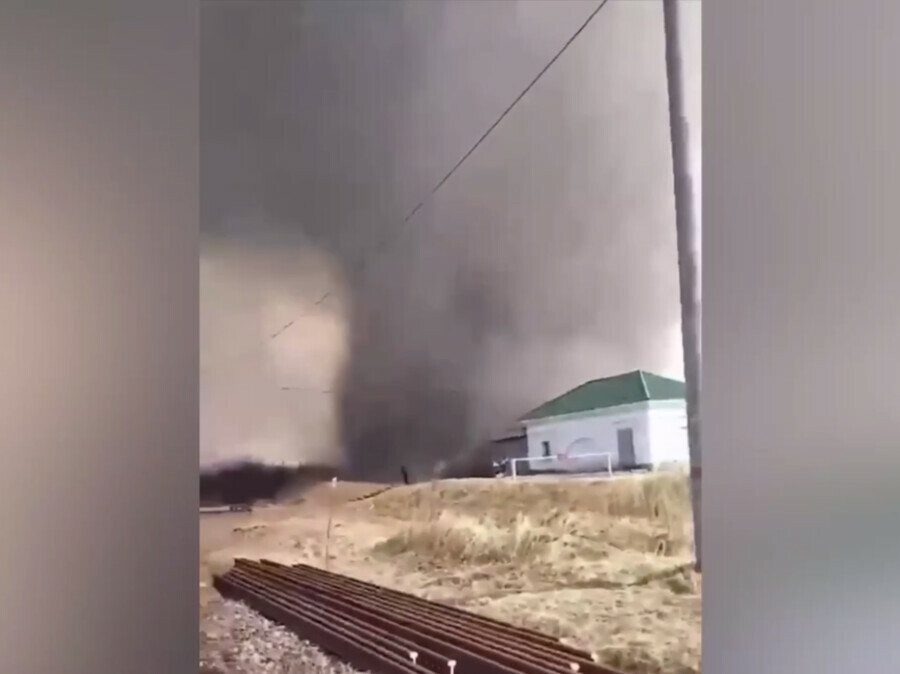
pixel 637 419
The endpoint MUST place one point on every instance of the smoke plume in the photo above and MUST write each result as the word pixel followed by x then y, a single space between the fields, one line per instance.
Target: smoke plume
pixel 548 259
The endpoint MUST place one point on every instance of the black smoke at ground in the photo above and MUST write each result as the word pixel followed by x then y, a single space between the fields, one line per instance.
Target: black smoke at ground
pixel 248 482
pixel 547 260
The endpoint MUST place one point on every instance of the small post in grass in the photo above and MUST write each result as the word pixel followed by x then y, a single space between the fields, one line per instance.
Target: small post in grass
pixel 331 500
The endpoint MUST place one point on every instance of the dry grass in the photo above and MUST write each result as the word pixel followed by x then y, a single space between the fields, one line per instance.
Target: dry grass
pixel 662 496
pixel 481 520
pixel 466 540
pixel 573 537
pixel 604 565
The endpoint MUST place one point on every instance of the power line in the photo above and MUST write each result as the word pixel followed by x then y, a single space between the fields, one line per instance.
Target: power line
pixel 515 102
pixel 284 328
pixel 497 121
pixel 471 150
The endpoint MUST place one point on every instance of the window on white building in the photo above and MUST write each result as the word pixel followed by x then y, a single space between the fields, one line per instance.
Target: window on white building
pixel 546 446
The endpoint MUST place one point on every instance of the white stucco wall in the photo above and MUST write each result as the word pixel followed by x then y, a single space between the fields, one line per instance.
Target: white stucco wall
pixel 587 434
pixel 668 433
pixel 659 436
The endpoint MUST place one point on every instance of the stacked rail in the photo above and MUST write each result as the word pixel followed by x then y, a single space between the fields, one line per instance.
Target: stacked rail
pixel 384 631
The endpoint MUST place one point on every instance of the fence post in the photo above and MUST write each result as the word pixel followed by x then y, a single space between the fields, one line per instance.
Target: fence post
pixel 331 504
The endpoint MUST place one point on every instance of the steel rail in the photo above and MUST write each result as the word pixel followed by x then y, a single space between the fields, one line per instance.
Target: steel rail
pixel 384 639
pixel 378 629
pixel 452 615
pixel 464 648
pixel 521 653
pixel 434 607
pixel 431 653
pixel 443 608
pixel 354 649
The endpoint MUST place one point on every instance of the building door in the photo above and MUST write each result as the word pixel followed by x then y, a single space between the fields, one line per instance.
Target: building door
pixel 625 437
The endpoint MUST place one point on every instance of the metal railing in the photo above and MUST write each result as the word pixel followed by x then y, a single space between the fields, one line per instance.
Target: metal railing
pixel 562 463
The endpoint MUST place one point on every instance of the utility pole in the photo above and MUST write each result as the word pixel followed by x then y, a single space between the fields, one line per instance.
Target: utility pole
pixel 688 252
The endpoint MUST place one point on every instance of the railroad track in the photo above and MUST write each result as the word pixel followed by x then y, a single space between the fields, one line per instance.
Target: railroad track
pixel 371 494
pixel 384 631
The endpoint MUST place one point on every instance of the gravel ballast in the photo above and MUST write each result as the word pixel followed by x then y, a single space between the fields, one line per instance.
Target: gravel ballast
pixel 236 640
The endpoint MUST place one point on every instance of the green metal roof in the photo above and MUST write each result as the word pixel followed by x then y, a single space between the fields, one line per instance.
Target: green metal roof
pixel 623 389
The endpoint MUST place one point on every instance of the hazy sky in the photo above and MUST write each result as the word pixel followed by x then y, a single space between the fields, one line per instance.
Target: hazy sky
pixel 546 260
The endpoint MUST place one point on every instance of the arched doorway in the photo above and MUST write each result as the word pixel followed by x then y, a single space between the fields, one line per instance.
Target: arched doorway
pixel 583 447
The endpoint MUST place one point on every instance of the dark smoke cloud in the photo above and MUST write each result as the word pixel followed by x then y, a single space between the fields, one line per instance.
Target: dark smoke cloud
pixel 548 259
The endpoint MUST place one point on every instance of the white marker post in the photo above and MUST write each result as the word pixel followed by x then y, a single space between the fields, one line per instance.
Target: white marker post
pixel 331 499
